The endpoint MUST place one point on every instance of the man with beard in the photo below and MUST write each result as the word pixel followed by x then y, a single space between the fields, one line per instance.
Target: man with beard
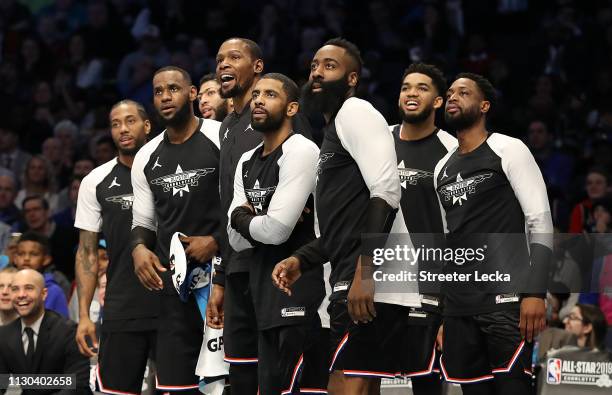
pixel 239 67
pixel 210 102
pixel 401 340
pixel 273 184
pixel 357 193
pixel 176 189
pixel 493 197
pixel 130 311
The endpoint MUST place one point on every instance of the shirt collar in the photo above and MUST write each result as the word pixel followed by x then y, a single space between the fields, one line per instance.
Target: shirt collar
pixel 35 326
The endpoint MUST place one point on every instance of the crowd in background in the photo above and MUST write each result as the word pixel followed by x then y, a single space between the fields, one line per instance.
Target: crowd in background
pixel 63 63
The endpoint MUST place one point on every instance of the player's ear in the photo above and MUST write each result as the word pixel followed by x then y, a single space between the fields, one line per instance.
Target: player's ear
pixel 353 79
pixel 485 106
pixel 47 260
pixel 147 125
pixel 258 66
pixel 193 93
pixel 43 293
pixel 292 108
pixel 438 102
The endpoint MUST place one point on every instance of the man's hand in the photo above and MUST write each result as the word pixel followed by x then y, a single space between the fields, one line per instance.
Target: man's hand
pixel 86 329
pixel 248 205
pixel 285 273
pixel 200 248
pixel 533 317
pixel 146 266
pixel 361 294
pixel 440 338
pixel 214 308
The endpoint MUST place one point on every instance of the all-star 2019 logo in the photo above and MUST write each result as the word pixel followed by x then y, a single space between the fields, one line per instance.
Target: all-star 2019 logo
pixel 460 189
pixel 126 201
pixel 411 176
pixel 259 197
pixel 180 181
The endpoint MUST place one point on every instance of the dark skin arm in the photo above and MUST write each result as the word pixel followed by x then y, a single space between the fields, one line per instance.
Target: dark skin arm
pixel 87 280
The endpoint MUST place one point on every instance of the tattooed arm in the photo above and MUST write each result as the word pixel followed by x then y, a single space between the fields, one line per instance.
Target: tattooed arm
pixel 87 281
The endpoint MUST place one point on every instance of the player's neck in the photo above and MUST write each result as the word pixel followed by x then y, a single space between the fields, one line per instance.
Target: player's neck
pixel 273 139
pixel 241 101
pixel 126 160
pixel 417 131
pixel 178 134
pixel 471 138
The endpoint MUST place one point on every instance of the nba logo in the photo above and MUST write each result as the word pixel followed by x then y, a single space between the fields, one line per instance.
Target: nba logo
pixel 553 371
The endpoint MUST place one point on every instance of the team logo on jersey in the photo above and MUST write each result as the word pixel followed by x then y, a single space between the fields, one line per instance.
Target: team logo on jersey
pixel 225 134
pixel 180 181
pixel 248 127
pixel 156 164
pixel 125 201
pixel 444 175
pixel 322 159
pixel 460 189
pixel 411 176
pixel 114 183
pixel 259 197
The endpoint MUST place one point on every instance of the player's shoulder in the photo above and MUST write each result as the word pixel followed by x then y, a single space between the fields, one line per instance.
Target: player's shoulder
pixel 297 143
pixel 504 145
pixel 210 128
pixel 394 129
pixel 448 141
pixel 249 154
pixel 146 150
pixel 354 106
pixel 99 173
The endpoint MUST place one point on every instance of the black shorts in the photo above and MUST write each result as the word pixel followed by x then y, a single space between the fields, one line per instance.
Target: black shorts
pixel 240 326
pixel 291 360
pixel 477 348
pixel 179 339
pixel 132 349
pixel 399 342
pixel 339 322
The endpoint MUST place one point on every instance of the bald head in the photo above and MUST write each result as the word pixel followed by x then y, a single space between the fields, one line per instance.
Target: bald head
pixel 30 276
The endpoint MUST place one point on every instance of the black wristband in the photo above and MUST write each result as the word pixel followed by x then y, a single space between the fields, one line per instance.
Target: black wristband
pixel 241 220
pixel 141 235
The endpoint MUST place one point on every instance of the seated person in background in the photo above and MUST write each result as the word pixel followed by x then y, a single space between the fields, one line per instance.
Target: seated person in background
pixel 588 323
pixel 33 253
pixel 7 312
pixel 41 341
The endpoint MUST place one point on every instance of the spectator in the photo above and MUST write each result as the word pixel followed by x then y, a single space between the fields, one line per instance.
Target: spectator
pixel 588 323
pixel 556 167
pixel 596 188
pixel 65 218
pixel 38 179
pixel 46 338
pixel 63 240
pixel 53 152
pixel 83 166
pixel 33 253
pixel 105 150
pixel 7 312
pixel 11 157
pixel 9 213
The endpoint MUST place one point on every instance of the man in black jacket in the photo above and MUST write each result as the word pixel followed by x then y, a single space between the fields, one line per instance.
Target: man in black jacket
pixel 41 341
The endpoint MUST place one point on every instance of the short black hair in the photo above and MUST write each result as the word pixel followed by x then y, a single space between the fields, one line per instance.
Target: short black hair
pixel 253 47
pixel 485 86
pixel 289 86
pixel 351 49
pixel 37 238
pixel 208 77
pixel 139 107
pixel 183 72
pixel 436 75
pixel 601 171
pixel 41 199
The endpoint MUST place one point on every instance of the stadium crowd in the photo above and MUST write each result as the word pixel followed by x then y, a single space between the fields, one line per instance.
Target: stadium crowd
pixel 65 63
